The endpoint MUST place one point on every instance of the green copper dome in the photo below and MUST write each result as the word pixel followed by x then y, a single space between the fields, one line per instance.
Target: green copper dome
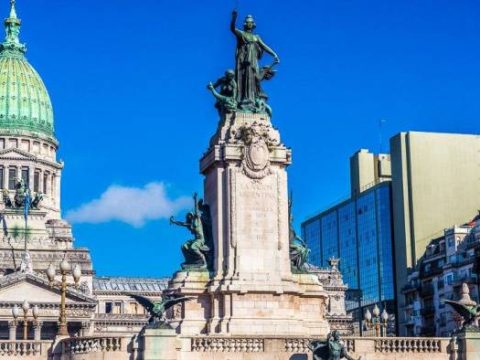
pixel 25 107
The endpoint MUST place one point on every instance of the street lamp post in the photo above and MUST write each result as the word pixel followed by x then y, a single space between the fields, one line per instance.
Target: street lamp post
pixel 16 312
pixel 376 320
pixel 13 326
pixel 25 308
pixel 65 268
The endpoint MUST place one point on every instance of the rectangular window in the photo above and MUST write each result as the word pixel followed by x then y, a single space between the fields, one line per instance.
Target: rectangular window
pixel 133 308
pixel 12 178
pixel 2 185
pixel 108 308
pixel 117 308
pixel 36 181
pixel 26 176
pixel 45 182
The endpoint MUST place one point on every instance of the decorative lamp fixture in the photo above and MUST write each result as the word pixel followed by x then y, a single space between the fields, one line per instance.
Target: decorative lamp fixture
pixel 35 312
pixel 77 273
pixel 368 315
pixel 15 311
pixel 51 273
pixel 25 306
pixel 65 266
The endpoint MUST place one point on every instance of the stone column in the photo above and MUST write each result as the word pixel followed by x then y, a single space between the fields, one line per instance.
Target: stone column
pixel 37 328
pixel 12 330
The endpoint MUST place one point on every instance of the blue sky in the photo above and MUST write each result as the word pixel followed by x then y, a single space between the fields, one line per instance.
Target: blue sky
pixel 127 80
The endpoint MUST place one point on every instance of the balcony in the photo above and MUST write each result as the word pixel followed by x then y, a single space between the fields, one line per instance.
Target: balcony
pixel 469 279
pixel 428 330
pixel 409 320
pixel 427 290
pixel 410 288
pixel 433 271
pixel 428 311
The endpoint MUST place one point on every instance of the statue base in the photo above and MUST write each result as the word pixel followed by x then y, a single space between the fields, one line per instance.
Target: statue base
pixel 251 290
pixel 160 344
pixel 469 343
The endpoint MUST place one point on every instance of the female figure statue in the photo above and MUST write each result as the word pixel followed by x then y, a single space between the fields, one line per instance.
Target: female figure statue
pixel 250 48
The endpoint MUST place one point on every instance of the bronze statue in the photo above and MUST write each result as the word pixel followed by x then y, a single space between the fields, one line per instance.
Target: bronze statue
pixel 21 192
pixel 227 96
pixel 298 248
pixel 466 308
pixel 194 250
pixel 37 199
pixel 331 349
pixel 248 74
pixel 157 310
pixel 6 199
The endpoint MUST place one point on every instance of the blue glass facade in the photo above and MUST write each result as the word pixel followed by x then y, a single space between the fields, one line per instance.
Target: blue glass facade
pixel 359 232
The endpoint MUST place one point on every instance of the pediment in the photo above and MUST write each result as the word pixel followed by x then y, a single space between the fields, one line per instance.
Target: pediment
pixel 16 153
pixel 20 286
pixel 19 154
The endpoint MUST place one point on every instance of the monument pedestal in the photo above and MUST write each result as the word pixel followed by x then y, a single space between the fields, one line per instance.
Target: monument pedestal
pixel 469 344
pixel 251 289
pixel 160 344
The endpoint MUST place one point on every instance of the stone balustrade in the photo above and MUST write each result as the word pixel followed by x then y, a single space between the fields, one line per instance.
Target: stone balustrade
pixel 31 350
pixel 223 348
pixel 235 345
pixel 92 344
pixel 367 347
pixel 95 347
pixel 411 345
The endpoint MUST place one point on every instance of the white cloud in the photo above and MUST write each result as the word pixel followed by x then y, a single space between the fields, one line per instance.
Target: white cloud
pixel 131 205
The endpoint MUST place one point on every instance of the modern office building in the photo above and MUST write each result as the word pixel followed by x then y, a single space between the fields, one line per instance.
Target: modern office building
pixel 435 182
pixel 359 232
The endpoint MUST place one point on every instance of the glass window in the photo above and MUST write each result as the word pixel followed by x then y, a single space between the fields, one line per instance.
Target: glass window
pixel 2 185
pixel 311 234
pixel 108 308
pixel 12 178
pixel 36 181
pixel 26 176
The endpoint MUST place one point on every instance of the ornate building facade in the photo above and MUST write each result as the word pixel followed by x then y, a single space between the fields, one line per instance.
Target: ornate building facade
pixel 448 263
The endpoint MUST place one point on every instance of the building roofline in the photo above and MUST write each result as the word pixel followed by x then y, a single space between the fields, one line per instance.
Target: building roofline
pixel 339 204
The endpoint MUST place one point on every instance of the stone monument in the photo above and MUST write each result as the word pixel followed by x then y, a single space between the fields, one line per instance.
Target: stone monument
pixel 248 288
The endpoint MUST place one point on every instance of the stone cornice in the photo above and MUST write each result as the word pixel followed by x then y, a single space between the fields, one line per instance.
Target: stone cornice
pixel 51 306
pixel 126 293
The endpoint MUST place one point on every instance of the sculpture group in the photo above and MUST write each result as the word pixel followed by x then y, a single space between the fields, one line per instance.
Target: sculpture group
pixel 22 198
pixel 241 89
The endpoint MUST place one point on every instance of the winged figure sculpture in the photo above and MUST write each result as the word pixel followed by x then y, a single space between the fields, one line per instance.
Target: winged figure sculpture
pixel 157 310
pixel 466 308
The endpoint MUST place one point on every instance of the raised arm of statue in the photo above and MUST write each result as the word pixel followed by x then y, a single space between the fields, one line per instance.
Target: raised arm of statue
pixel 179 223
pixel 268 50
pixel 195 201
pixel 233 27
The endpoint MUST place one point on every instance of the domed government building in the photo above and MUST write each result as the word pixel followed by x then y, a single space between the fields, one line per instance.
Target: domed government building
pixel 33 235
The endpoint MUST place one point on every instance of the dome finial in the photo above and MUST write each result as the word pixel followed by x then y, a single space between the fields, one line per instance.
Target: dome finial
pixel 13 12
pixel 12 45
